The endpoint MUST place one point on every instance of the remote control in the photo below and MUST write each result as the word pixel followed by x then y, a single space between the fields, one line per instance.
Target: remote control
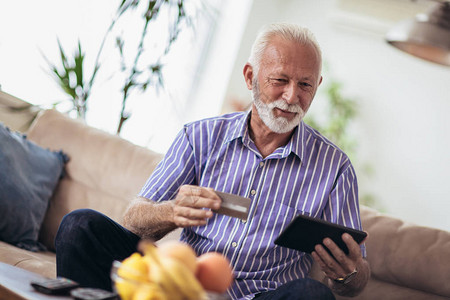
pixel 93 294
pixel 56 286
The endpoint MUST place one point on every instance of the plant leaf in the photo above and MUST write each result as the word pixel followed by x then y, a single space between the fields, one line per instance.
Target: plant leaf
pixel 78 66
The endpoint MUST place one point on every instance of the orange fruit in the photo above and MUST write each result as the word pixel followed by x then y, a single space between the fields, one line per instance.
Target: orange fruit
pixel 214 272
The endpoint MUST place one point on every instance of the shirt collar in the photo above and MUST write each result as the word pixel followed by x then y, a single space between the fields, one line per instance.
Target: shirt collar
pixel 240 129
pixel 295 145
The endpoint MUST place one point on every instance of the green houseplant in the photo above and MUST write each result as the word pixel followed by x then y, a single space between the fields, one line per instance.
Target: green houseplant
pixel 138 73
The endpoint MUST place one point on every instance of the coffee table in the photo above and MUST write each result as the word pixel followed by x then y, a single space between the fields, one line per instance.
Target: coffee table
pixel 15 285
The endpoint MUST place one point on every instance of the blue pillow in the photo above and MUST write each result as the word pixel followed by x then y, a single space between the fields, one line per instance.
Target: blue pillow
pixel 28 176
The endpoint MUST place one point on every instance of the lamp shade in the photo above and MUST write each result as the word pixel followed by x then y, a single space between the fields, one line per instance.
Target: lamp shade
pixel 426 36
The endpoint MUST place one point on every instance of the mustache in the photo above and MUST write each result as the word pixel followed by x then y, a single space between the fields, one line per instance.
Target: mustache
pixel 281 104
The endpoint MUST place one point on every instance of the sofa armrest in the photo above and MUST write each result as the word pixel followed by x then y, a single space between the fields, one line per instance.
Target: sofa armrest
pixel 406 254
pixel 16 113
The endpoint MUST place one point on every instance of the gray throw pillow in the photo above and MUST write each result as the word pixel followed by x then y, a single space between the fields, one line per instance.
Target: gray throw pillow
pixel 28 176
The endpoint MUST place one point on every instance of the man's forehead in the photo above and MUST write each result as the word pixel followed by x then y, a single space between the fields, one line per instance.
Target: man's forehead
pixel 284 52
pixel 302 65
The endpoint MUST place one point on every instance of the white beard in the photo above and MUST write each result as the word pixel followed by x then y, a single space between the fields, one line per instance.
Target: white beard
pixel 265 112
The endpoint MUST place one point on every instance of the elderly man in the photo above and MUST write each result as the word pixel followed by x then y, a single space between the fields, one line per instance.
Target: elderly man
pixel 267 154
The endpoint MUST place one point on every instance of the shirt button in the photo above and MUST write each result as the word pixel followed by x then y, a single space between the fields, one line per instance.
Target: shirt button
pixel 244 221
pixel 261 164
pixel 234 244
pixel 253 192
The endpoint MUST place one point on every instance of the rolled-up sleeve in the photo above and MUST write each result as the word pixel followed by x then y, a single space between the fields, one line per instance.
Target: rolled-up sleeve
pixel 175 170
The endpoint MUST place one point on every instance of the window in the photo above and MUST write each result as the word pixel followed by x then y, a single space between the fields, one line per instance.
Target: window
pixel 195 77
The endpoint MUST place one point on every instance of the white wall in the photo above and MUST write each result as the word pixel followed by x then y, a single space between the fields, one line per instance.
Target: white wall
pixel 402 129
pixel 29 29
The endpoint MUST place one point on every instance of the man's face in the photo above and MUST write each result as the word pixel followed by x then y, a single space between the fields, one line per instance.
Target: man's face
pixel 266 112
pixel 285 85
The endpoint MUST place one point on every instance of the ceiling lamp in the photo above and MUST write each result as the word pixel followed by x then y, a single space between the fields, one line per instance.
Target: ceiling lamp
pixel 426 36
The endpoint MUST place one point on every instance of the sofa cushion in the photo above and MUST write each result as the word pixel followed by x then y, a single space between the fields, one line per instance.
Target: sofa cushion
pixel 104 173
pixel 43 262
pixel 378 289
pixel 406 254
pixel 28 176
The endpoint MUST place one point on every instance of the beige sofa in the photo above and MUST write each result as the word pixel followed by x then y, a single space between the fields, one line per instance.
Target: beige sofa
pixel 105 172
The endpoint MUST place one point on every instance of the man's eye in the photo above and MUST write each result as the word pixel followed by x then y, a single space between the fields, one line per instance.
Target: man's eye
pixel 304 84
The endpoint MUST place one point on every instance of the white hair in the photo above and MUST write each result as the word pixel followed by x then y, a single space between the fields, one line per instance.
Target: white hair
pixel 287 31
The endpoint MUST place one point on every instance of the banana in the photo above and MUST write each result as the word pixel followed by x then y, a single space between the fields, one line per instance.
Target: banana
pixel 174 278
pixel 149 291
pixel 158 275
pixel 162 278
pixel 184 279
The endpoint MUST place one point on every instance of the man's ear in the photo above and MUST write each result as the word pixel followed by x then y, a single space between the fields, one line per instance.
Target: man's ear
pixel 320 80
pixel 248 75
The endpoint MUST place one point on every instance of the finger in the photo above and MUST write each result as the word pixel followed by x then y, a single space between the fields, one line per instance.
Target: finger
pixel 195 196
pixel 184 222
pixel 321 264
pixel 329 264
pixel 196 202
pixel 347 262
pixel 337 252
pixel 366 238
pixel 327 268
pixel 198 191
pixel 353 247
pixel 185 216
pixel 191 213
pixel 195 191
pixel 210 193
pixel 189 195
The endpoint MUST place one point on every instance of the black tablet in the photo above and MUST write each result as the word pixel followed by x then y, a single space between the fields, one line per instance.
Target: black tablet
pixel 305 232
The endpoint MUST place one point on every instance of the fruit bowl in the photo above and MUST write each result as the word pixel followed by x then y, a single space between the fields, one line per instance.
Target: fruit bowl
pixel 171 271
pixel 133 287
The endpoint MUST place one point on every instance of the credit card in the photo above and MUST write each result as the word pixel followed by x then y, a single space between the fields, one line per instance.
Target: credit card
pixel 233 205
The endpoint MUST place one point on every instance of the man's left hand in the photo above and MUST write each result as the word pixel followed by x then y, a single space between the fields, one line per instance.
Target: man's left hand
pixel 339 265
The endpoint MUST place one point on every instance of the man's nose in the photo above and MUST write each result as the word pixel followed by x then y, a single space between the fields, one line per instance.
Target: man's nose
pixel 291 94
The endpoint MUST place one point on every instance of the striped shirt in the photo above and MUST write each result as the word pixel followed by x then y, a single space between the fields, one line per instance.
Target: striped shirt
pixel 309 175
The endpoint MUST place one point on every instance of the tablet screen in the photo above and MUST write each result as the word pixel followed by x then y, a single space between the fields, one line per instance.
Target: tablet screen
pixel 305 232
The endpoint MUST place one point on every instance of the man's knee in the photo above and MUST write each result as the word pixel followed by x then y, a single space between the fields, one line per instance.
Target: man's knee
pixel 77 224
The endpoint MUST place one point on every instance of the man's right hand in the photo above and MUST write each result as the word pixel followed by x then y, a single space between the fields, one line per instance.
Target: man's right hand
pixel 192 205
